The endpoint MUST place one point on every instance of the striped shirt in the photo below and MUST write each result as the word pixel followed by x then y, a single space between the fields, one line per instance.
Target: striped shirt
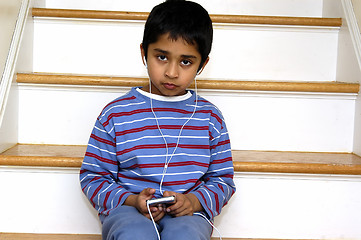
pixel 127 152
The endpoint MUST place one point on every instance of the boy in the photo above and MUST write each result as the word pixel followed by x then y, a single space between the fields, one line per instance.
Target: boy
pixel 162 140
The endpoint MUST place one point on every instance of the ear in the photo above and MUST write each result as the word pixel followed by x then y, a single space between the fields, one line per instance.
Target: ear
pixel 143 54
pixel 204 65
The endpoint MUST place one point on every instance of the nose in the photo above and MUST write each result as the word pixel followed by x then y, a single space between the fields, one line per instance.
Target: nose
pixel 172 70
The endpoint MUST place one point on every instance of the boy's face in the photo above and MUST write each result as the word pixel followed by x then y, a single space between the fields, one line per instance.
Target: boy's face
pixel 172 65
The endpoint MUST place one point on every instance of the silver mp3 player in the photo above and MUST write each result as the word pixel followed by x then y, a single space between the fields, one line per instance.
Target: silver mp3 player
pixel 162 200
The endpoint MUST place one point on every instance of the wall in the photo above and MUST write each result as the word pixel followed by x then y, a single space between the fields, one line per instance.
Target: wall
pixel 357 8
pixel 8 15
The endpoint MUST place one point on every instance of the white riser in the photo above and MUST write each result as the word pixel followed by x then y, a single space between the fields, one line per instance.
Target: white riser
pixel 309 8
pixel 248 52
pixel 270 206
pixel 256 121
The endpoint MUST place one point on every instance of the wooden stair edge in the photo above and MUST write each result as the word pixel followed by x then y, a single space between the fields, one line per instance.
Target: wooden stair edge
pixel 69 79
pixel 40 236
pixel 216 18
pixel 243 161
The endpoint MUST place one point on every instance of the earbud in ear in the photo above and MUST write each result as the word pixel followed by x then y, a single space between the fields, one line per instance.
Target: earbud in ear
pixel 145 62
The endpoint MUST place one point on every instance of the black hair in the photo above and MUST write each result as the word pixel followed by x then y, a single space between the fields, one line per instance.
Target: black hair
pixel 179 18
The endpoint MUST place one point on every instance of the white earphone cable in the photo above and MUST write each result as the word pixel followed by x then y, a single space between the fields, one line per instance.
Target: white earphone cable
pixel 167 160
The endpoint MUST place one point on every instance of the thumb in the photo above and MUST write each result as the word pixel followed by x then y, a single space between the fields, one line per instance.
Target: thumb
pixel 149 191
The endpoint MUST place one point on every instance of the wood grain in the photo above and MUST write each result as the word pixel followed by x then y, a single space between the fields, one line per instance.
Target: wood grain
pixel 216 18
pixel 243 161
pixel 67 79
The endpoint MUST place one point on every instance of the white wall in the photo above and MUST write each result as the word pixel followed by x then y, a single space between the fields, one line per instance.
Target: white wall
pixel 8 14
pixel 357 8
pixel 9 10
pixel 306 8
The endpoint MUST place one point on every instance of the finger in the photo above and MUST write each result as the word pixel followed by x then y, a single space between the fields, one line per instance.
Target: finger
pixel 169 193
pixel 159 216
pixel 181 210
pixel 149 191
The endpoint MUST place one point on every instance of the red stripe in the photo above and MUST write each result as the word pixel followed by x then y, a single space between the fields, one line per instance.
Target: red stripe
pixel 174 164
pixel 99 139
pixel 183 182
pixel 121 196
pixel 204 199
pixel 94 179
pixel 172 110
pixel 106 200
pixel 220 144
pixel 119 100
pixel 229 159
pixel 194 187
pixel 152 127
pixel 135 179
pixel 153 146
pixel 216 199
pixel 104 160
pixel 96 192
pixel 227 176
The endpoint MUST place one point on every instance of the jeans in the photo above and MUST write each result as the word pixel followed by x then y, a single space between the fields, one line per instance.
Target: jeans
pixel 126 223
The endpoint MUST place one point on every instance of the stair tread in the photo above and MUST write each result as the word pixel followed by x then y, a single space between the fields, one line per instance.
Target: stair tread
pixel 34 236
pixel 244 161
pixel 216 18
pixel 70 79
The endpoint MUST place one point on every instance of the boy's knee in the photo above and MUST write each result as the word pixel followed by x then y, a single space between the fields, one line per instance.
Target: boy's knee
pixel 186 229
pixel 127 224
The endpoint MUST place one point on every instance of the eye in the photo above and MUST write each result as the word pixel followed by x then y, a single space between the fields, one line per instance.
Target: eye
pixel 186 62
pixel 162 57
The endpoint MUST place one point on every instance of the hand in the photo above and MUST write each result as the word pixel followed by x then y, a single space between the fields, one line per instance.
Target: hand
pixel 139 202
pixel 186 204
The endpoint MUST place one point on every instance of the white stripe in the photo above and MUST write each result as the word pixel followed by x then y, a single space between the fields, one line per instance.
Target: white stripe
pixel 166 174
pixel 99 129
pixel 216 153
pixel 91 164
pixel 100 194
pixel 112 202
pixel 164 155
pixel 200 106
pixel 214 127
pixel 103 150
pixel 126 105
pixel 111 130
pixel 210 199
pixel 219 136
pixel 160 118
pixel 219 170
pixel 168 136
pixel 87 192
pixel 89 175
pixel 225 184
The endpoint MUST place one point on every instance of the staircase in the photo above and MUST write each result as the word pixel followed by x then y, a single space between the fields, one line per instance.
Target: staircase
pixel 285 76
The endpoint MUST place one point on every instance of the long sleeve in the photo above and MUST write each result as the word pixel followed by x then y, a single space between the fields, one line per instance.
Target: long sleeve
pixel 98 175
pixel 219 185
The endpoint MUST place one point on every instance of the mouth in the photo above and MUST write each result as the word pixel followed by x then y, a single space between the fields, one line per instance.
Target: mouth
pixel 169 86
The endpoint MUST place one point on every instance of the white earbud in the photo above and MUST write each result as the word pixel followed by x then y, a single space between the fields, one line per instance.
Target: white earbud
pixel 145 62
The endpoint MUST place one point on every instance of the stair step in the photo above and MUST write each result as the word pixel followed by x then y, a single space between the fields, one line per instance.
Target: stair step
pixel 216 18
pixel 45 78
pixel 86 42
pixel 32 236
pixel 76 101
pixel 244 161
